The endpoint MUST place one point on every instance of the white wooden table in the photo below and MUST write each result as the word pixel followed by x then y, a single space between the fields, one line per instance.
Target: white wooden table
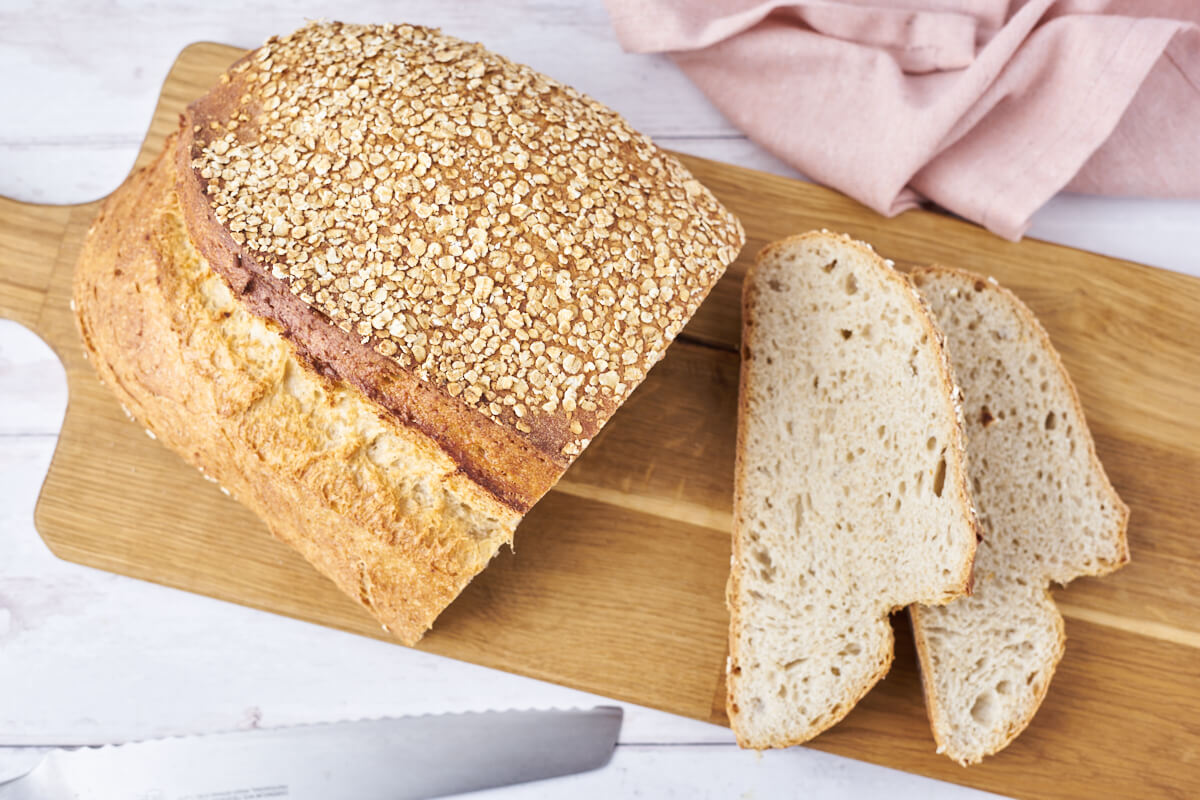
pixel 88 657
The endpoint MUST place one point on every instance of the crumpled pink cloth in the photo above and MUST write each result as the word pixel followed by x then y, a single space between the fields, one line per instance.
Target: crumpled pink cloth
pixel 985 108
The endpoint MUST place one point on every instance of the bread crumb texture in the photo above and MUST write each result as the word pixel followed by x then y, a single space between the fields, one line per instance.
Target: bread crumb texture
pixel 850 495
pixel 500 234
pixel 1048 512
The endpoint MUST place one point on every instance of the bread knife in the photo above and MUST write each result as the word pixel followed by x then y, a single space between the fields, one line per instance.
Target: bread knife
pixel 382 759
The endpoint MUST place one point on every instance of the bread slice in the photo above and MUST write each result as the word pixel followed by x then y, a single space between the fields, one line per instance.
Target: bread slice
pixel 851 494
pixel 1047 509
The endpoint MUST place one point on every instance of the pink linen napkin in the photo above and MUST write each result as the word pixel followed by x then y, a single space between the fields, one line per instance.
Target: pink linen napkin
pixel 986 108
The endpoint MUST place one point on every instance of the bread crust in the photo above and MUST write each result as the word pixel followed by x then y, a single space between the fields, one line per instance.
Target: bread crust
pixel 955 452
pixel 381 531
pixel 396 465
pixel 665 235
pixel 938 719
pixel 514 469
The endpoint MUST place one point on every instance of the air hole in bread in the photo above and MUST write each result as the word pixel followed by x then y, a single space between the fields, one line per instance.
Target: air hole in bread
pixel 846 334
pixel 984 709
pixel 979 285
pixel 985 416
pixel 939 477
pixel 851 284
pixel 775 284
pixel 764 558
pixel 830 266
pixel 931 443
pixel 1051 421
pixel 835 671
pixel 976 486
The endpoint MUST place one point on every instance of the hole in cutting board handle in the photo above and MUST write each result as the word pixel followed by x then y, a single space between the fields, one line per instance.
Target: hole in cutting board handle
pixel 33 404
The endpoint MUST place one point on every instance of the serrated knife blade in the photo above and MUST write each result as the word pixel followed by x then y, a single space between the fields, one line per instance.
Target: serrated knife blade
pixel 383 759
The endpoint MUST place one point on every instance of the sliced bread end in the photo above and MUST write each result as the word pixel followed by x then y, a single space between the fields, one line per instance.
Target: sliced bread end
pixel 1048 511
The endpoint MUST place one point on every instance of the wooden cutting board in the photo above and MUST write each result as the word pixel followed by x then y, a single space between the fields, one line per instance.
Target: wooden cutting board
pixel 616 585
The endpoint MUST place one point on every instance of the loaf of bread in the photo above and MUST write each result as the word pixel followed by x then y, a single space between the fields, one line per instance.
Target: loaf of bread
pixel 850 496
pixel 384 286
pixel 1047 509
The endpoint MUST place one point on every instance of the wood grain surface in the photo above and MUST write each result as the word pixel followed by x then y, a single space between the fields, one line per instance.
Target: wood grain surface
pixel 616 584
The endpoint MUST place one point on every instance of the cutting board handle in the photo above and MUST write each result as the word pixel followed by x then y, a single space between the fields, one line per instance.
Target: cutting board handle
pixel 30 240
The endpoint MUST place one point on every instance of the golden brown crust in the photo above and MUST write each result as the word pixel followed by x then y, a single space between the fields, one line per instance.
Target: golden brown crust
pixel 509 243
pixel 514 469
pixel 375 505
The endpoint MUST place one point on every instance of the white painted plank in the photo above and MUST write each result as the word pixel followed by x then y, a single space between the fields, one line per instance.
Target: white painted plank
pixel 695 771
pixel 33 386
pixel 98 70
pixel 689 771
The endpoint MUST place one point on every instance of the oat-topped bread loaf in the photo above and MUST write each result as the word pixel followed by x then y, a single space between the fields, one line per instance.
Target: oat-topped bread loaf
pixel 1047 509
pixel 850 495
pixel 385 286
